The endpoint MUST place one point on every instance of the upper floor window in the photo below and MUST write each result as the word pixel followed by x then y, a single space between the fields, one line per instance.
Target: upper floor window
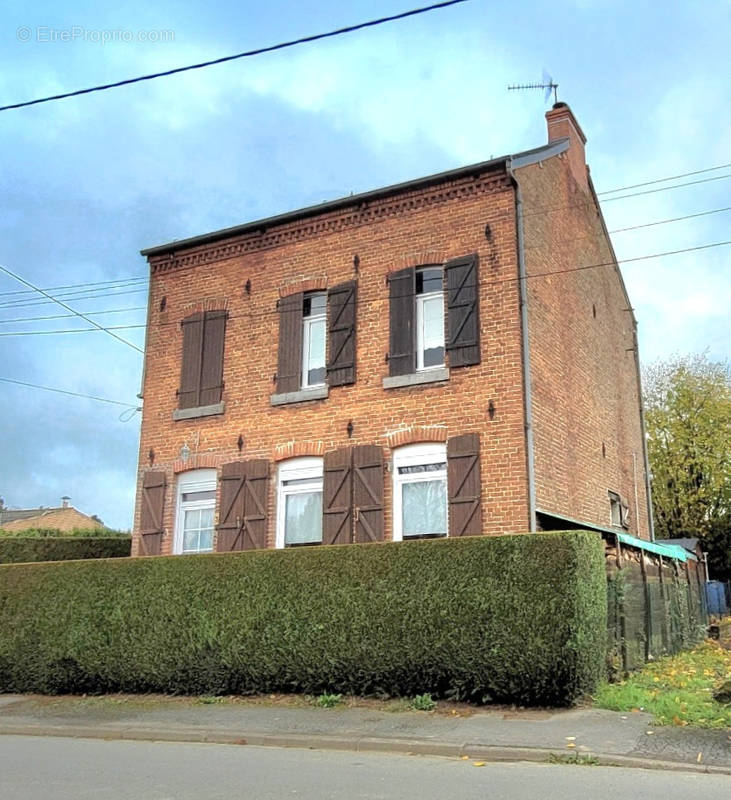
pixel 316 346
pixel 429 318
pixel 201 373
pixel 314 314
pixel 618 511
pixel 299 502
pixel 196 502
pixel 433 311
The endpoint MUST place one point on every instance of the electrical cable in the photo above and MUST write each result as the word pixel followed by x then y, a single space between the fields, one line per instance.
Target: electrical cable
pixel 72 394
pixel 662 180
pixel 246 54
pixel 68 308
pixel 66 316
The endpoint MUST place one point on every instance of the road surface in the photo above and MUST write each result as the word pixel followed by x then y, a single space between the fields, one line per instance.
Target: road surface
pixel 39 768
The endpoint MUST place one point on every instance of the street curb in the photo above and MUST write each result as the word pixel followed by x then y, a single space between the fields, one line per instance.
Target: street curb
pixel 494 753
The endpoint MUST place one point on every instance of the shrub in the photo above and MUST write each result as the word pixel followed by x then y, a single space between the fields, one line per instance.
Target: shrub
pixel 17 550
pixel 423 702
pixel 513 619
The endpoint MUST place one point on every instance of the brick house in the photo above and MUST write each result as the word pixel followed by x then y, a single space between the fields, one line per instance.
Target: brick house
pixel 453 355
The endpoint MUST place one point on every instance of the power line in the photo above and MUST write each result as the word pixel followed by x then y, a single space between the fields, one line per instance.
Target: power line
pixel 666 188
pixel 65 391
pixel 662 180
pixel 246 54
pixel 73 330
pixel 29 304
pixel 66 316
pixel 68 308
pixel 86 284
pixel 674 219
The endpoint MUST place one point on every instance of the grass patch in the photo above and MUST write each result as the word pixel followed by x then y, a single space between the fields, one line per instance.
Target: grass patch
pixel 677 690
pixel 423 702
pixel 326 700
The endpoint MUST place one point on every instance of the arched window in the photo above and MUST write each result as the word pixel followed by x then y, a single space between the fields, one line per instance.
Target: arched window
pixel 195 505
pixel 299 502
pixel 420 491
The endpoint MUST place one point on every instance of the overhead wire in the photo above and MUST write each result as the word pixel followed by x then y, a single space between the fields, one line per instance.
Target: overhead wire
pixel 662 180
pixel 66 391
pixel 246 54
pixel 68 308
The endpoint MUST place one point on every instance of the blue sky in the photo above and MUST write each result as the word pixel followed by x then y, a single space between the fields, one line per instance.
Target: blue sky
pixel 86 182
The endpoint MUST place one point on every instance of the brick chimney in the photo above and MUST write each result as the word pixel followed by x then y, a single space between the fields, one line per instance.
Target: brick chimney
pixel 65 501
pixel 562 124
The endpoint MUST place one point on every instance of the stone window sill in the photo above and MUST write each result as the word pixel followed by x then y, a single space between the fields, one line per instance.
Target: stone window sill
pixel 416 378
pixel 199 411
pixel 301 396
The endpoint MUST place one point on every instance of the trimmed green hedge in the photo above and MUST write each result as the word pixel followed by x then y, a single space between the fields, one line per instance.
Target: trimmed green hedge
pixel 57 533
pixel 14 550
pixel 514 618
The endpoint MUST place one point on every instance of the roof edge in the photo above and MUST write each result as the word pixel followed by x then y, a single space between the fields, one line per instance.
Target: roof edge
pixel 520 159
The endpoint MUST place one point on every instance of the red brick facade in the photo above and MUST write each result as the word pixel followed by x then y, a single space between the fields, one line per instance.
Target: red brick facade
pixel 584 383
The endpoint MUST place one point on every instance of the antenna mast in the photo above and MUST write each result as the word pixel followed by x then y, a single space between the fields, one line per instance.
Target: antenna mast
pixel 548 85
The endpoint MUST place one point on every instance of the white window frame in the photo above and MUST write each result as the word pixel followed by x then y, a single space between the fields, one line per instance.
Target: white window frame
pixel 197 480
pixel 421 300
pixel 411 455
pixel 305 468
pixel 307 324
pixel 617 502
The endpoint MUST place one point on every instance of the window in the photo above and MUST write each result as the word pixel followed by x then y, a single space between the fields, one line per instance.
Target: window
pixel 196 502
pixel 313 339
pixel 316 347
pixel 618 511
pixel 299 502
pixel 201 372
pixel 429 318
pixel 419 491
pixel 433 310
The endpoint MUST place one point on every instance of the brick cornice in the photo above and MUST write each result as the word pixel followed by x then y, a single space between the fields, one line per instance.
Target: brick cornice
pixel 363 213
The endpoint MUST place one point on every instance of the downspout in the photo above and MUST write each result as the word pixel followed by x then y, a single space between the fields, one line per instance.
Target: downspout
pixel 648 482
pixel 525 350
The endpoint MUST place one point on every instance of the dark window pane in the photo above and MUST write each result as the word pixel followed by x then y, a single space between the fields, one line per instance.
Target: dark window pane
pixel 316 376
pixel 434 357
pixel 314 304
pixel 417 468
pixel 429 279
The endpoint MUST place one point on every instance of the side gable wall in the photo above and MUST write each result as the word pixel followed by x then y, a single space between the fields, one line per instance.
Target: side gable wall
pixel 585 388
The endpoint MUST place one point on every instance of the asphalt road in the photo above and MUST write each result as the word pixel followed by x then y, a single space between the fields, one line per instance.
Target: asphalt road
pixel 37 768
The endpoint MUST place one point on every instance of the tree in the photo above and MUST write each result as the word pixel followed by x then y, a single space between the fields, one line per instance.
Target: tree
pixel 688 419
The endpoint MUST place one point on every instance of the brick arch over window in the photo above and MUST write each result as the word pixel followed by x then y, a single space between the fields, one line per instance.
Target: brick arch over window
pixel 304 283
pixel 299 448
pixel 202 461
pixel 414 434
pixel 418 259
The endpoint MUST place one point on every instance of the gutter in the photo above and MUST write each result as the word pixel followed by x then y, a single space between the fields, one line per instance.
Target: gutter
pixel 525 352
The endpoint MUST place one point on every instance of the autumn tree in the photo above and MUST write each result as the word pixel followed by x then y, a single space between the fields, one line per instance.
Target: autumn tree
pixel 688 418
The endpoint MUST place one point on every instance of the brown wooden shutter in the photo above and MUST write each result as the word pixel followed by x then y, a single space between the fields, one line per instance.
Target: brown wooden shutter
pixel 368 493
pixel 463 473
pixel 402 346
pixel 231 507
pixel 341 301
pixel 190 369
pixel 256 504
pixel 289 368
pixel 242 516
pixel 214 334
pixel 463 313
pixel 337 492
pixel 153 505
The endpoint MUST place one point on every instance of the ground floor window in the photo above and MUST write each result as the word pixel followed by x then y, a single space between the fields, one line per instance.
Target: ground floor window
pixel 196 502
pixel 419 491
pixel 299 502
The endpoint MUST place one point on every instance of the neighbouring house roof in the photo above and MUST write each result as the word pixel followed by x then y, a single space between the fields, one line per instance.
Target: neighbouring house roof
pixel 518 160
pixel 9 515
pixel 689 544
pixel 63 519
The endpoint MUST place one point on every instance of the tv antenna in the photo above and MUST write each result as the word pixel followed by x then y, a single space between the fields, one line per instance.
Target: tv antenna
pixel 547 84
